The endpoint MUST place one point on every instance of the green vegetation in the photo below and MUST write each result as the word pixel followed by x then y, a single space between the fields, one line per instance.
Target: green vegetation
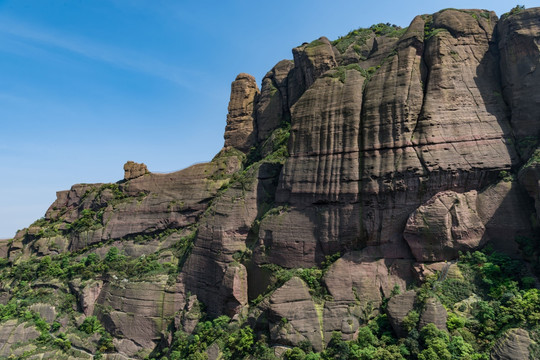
pixel 314 43
pixel 502 298
pixel 272 150
pixel 276 144
pixel 87 220
pixel 71 266
pixel 311 276
pixel 50 338
pixel 91 325
pixel 357 38
pixel 90 213
pixel 490 294
pixel 235 342
pixel 494 295
pixel 515 10
pixel 429 30
pixel 528 148
pixel 340 72
pixel 507 176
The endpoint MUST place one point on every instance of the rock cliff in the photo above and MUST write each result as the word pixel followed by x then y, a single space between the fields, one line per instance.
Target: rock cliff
pixel 364 167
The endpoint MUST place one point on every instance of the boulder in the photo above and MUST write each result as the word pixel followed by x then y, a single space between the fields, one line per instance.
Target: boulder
pixel 397 309
pixel 447 224
pixel 433 312
pixel 513 345
pixel 356 277
pixel 133 170
pixel 46 311
pixel 294 317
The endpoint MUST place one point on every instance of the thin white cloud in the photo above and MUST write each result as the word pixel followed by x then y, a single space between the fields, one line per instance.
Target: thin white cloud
pixel 122 58
pixel 12 98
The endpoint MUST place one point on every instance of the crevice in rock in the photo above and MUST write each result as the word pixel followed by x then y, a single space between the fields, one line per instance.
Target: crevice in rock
pixel 425 76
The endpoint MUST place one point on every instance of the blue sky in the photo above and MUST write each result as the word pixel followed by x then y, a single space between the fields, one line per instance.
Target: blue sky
pixel 87 85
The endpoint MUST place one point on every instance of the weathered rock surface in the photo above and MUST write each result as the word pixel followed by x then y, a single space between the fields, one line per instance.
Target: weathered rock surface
pixel 310 62
pixel 518 45
pixel 11 332
pixel 450 270
pixel 460 106
pixel 451 222
pixel 435 313
pixel 172 201
pixel 89 344
pixel 529 178
pixel 428 146
pixel 356 277
pixel 344 318
pixel 87 294
pixel 46 311
pixel 211 271
pixel 397 309
pixel 447 224
pixel 190 315
pixel 137 311
pixel 273 105
pixel 240 132
pixel 133 170
pixel 143 205
pixel 320 178
pixel 513 345
pixel 293 315
pixel 357 283
pixel 505 210
pixel 213 352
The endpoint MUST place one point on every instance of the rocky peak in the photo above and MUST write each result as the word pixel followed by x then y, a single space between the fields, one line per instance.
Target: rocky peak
pixel 241 132
pixel 133 170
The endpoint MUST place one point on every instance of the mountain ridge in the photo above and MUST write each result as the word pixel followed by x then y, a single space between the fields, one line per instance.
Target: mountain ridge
pixel 356 171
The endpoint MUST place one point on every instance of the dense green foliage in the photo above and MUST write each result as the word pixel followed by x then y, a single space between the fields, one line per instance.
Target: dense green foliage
pixel 488 296
pixel 70 266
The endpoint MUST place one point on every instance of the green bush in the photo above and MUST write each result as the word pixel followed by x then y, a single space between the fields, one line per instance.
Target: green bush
pixel 410 320
pixel 454 322
pixel 91 325
pixel 294 354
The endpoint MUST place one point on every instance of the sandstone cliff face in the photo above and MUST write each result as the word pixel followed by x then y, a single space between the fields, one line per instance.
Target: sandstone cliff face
pixel 389 150
pixel 519 35
pixel 429 120
pixel 273 105
pixel 240 131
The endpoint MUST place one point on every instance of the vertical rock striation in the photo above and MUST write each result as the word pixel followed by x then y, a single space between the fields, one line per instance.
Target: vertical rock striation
pixel 241 132
pixel 402 151
pixel 520 53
